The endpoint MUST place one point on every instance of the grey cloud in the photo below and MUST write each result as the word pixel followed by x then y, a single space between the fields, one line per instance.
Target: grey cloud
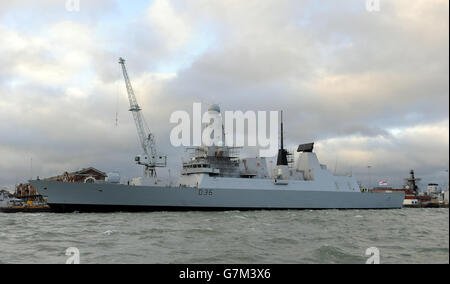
pixel 338 71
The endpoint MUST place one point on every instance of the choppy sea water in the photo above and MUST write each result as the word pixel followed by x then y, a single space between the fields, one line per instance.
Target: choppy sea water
pixel 327 236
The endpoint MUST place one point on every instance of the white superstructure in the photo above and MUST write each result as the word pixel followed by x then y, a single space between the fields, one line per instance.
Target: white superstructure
pixel 307 174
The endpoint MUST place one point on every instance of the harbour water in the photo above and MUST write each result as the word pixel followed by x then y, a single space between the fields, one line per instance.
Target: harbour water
pixel 327 236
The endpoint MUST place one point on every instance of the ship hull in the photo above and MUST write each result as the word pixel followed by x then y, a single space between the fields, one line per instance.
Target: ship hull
pixel 24 210
pixel 104 197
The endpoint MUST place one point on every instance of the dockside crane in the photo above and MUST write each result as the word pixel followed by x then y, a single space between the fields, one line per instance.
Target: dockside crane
pixel 150 158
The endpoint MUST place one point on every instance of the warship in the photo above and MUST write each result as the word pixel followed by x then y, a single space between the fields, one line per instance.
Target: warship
pixel 216 178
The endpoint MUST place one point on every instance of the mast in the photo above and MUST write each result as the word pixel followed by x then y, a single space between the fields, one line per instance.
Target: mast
pixel 282 153
pixel 412 182
pixel 281 130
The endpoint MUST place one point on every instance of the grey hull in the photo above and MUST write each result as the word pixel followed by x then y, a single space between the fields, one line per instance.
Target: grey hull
pixel 117 197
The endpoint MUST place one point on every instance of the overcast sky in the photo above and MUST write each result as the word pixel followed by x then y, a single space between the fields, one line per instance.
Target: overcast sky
pixel 371 88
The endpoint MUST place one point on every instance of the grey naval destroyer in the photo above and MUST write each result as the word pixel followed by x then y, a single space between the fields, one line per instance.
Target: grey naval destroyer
pixel 216 178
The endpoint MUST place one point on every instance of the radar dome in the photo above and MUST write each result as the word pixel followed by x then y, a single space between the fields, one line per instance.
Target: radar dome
pixel 214 108
pixel 113 177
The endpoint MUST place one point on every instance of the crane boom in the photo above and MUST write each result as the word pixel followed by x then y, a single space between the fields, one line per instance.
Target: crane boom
pixel 146 138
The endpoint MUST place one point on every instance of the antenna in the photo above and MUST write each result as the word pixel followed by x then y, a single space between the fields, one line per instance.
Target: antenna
pixel 282 153
pixel 31 168
pixel 281 130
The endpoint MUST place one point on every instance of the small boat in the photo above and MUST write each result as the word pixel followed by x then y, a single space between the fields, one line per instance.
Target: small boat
pixel 10 204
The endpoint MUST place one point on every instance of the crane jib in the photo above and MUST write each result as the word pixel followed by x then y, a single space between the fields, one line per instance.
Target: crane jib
pixel 150 159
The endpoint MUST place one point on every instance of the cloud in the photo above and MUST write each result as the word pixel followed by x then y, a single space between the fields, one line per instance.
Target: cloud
pixel 419 147
pixel 168 24
pixel 370 87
